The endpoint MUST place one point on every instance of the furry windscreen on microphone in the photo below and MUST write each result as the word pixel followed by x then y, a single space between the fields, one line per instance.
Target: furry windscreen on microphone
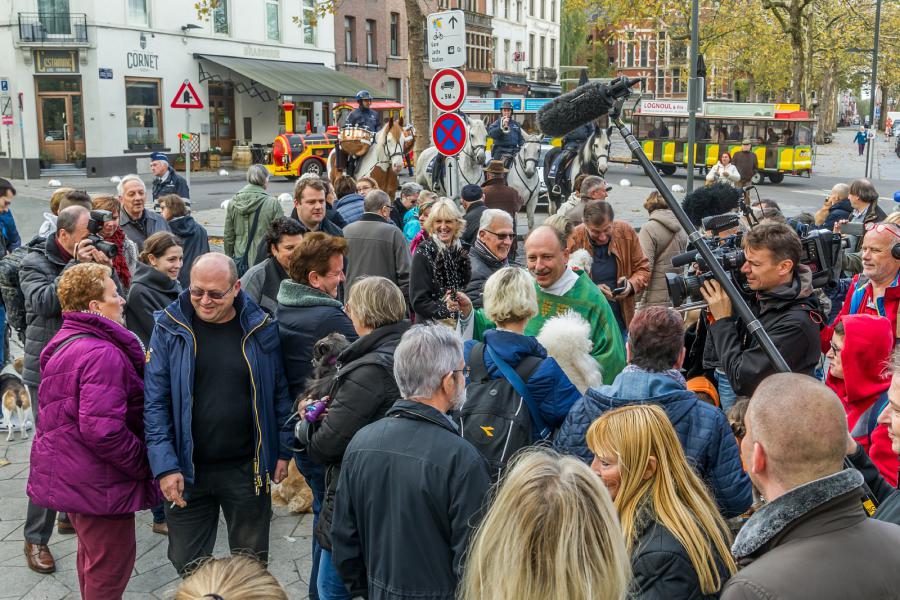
pixel 710 200
pixel 573 109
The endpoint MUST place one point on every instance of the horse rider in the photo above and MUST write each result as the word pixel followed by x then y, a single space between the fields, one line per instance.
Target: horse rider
pixel 507 135
pixel 362 116
pixel 571 144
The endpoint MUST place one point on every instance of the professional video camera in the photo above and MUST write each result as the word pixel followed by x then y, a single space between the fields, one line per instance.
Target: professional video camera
pixel 95 226
pixel 820 250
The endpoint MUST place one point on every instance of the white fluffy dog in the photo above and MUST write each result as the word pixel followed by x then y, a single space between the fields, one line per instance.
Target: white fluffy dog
pixel 567 338
pixel 581 260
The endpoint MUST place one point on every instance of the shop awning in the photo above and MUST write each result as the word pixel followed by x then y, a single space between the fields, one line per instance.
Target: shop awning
pixel 305 82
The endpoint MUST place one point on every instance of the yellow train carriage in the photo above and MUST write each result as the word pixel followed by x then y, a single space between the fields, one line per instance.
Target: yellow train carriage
pixel 781 140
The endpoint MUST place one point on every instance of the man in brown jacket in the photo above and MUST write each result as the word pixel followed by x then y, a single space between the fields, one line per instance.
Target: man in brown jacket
pixel 812 539
pixel 746 162
pixel 500 196
pixel 618 260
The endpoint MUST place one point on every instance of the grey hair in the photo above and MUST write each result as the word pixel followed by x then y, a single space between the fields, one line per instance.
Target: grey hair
pixel 492 214
pixel 591 183
pixel 68 217
pixel 120 187
pixel 425 355
pixel 257 175
pixel 841 190
pixel 375 200
pixel 410 189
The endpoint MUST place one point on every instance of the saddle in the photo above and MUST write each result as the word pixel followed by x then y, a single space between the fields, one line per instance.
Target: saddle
pixel 435 171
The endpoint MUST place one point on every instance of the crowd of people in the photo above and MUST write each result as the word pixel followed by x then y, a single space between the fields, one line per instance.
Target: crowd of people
pixel 476 415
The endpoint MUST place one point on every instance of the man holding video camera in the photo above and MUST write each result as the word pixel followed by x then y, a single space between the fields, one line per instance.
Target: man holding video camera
pixel 783 301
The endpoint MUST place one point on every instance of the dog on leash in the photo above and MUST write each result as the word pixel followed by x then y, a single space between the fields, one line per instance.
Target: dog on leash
pixel 293 492
pixel 16 399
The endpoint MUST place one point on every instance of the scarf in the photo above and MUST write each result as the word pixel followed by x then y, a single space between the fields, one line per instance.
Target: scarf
pixel 120 263
pixel 674 374
pixel 450 270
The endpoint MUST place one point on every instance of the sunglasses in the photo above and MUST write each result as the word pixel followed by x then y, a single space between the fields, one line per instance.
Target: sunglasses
pixel 882 227
pixel 213 294
pixel 502 236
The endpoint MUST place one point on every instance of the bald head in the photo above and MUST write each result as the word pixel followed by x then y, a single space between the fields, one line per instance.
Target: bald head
pixel 214 286
pixel 801 426
pixel 215 263
pixel 840 191
pixel 546 255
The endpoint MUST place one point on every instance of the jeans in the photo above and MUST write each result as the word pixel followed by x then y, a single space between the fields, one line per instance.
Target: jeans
pixel 192 529
pixel 331 586
pixel 727 397
pixel 314 473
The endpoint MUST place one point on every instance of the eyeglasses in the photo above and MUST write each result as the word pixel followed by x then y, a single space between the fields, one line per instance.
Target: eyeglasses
pixel 213 294
pixel 466 371
pixel 834 348
pixel 502 236
pixel 882 227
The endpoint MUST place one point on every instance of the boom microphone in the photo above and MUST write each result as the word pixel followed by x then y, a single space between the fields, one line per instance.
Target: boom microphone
pixel 582 105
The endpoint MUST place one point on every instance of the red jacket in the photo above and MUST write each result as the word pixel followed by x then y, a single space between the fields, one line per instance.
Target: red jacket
pixel 860 296
pixel 868 343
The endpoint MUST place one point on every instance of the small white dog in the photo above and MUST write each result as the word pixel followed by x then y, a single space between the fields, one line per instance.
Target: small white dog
pixel 567 338
pixel 581 260
pixel 16 399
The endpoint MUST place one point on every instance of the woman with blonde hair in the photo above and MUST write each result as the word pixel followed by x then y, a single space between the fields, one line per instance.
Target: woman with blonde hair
pixel 440 266
pixel 231 578
pixel 661 238
pixel 678 541
pixel 551 534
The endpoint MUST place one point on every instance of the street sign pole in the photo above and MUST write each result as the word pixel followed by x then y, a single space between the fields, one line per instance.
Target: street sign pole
pixel 187 146
pixel 22 136
pixel 873 88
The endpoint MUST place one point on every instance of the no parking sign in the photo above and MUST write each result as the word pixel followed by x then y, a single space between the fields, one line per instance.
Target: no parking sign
pixel 449 134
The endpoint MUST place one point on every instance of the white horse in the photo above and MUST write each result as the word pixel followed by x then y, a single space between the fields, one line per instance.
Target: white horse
pixel 523 173
pixel 384 159
pixel 592 158
pixel 467 166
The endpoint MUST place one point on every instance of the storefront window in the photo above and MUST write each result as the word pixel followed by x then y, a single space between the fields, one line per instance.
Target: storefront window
pixel 143 113
pixel 58 84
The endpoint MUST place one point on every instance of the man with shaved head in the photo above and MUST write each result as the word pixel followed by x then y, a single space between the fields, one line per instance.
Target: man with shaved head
pixel 215 401
pixel 812 539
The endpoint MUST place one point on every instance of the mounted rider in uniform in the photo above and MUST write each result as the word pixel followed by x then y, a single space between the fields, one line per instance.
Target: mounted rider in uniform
pixel 507 135
pixel 362 116
pixel 571 144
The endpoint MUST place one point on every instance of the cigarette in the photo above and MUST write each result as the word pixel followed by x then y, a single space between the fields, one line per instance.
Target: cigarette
pixel 173 505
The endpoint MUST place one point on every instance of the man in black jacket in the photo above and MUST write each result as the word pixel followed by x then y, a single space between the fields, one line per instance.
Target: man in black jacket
pixel 490 251
pixel 407 539
pixel 784 303
pixel 363 392
pixel 166 180
pixel 472 197
pixel 38 276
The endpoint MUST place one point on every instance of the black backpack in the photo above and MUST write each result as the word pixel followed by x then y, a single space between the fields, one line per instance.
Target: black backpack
pixel 11 290
pixel 495 418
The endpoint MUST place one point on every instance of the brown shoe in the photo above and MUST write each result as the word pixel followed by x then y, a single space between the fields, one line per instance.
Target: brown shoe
pixel 161 528
pixel 39 558
pixel 65 528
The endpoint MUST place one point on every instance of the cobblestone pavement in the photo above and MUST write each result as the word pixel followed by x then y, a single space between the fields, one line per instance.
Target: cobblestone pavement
pixel 153 578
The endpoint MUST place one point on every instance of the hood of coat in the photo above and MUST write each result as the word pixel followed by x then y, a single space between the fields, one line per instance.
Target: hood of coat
pixel 184 226
pixel 778 515
pixel 799 290
pixel 247 200
pixel 666 218
pixel 868 342
pixel 347 200
pixel 385 338
pixel 296 294
pixel 644 387
pixel 843 205
pixel 97 326
pixel 511 347
pixel 155 280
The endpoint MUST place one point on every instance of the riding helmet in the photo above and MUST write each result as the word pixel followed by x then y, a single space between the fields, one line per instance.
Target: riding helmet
pixel 363 95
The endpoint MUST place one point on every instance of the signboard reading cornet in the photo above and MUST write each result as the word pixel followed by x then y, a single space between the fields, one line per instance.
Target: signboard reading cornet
pixel 446 38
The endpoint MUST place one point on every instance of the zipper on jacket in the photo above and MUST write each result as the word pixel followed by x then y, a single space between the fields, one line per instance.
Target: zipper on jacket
pixel 193 337
pixel 257 477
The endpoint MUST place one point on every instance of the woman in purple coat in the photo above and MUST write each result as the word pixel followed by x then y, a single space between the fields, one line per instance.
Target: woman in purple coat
pixel 89 457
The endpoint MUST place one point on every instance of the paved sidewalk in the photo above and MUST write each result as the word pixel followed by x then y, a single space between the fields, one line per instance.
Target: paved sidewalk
pixel 154 578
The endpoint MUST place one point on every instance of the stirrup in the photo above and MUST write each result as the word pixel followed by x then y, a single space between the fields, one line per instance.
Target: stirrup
pixel 556 190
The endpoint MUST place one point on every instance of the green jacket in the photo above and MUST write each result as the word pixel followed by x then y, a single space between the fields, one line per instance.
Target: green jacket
pixel 239 218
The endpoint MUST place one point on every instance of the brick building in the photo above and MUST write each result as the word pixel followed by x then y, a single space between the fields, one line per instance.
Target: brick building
pixel 370 45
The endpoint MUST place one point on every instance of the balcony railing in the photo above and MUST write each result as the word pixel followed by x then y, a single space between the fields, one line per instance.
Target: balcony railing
pixel 474 19
pixel 542 75
pixel 53 28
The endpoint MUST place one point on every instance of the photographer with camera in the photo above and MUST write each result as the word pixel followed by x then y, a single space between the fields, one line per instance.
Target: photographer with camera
pixel 783 301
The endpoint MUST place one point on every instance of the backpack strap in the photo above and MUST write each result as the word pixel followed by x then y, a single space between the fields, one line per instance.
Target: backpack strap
pixel 859 293
pixel 518 384
pixel 252 232
pixel 68 341
pixel 478 369
pixel 874 411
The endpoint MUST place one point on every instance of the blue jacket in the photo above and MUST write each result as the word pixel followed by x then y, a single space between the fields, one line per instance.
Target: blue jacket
pixel 837 212
pixel 551 390
pixel 350 207
pixel 169 383
pixel 505 143
pixel 11 236
pixel 704 432
pixel 361 117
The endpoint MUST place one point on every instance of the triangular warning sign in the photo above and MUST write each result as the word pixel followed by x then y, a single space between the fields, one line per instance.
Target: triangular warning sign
pixel 186 97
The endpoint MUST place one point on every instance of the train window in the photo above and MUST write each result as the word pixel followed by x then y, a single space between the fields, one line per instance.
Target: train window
pixel 804 134
pixel 733 129
pixel 703 131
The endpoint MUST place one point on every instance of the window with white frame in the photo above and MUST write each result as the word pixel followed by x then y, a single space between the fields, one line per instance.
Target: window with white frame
pixel 220 17
pixel 137 12
pixel 506 55
pixel 543 50
pixel 310 20
pixel 273 24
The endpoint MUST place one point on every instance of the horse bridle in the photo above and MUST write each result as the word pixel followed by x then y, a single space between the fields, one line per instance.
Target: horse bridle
pixel 524 162
pixel 390 155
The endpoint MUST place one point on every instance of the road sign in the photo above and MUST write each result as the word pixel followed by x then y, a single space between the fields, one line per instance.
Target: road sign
pixel 186 97
pixel 7 119
pixel 446 33
pixel 4 86
pixel 449 134
pixel 448 89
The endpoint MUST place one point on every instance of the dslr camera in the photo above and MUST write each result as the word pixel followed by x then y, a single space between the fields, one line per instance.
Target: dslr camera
pixel 95 226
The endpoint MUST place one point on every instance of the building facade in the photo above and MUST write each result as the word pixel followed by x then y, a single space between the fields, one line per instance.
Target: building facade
pixel 96 78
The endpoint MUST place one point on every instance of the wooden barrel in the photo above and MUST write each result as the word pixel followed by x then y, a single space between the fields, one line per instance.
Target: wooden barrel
pixel 241 157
